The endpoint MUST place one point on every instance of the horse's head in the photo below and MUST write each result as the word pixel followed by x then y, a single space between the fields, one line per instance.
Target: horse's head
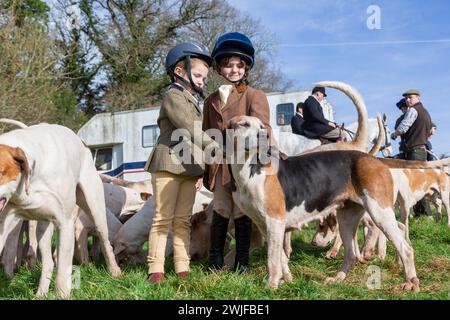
pixel 386 148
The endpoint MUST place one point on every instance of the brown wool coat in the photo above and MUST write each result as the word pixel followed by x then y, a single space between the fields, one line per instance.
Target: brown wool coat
pixel 243 100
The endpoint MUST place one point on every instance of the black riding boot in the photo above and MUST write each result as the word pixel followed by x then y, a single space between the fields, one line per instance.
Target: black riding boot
pixel 418 209
pixel 422 208
pixel 219 228
pixel 427 209
pixel 243 230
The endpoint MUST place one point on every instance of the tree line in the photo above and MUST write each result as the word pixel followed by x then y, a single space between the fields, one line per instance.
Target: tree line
pixel 63 61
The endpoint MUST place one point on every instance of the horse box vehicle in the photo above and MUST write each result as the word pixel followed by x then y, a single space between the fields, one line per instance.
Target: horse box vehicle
pixel 122 141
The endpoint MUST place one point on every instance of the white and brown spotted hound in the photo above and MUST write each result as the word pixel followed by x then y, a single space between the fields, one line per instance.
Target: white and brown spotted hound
pixel 285 194
pixel 45 171
pixel 410 186
pixel 414 184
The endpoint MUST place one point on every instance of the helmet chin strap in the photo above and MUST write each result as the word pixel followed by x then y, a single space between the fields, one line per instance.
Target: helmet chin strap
pixel 190 83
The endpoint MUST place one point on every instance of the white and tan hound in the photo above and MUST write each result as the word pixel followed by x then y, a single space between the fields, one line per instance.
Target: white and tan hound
pixel 284 194
pixel 45 171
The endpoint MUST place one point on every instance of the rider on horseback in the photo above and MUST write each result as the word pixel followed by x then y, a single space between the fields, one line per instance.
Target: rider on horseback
pixel 316 126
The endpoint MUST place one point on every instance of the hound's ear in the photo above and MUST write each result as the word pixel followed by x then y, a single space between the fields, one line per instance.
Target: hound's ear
pixel 118 248
pixel 198 218
pixel 384 117
pixel 231 124
pixel 20 157
pixel 261 125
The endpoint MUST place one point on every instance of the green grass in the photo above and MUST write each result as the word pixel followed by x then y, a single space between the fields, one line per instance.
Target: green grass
pixel 431 242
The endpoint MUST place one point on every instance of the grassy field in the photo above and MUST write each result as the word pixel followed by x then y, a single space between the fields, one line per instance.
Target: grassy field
pixel 431 242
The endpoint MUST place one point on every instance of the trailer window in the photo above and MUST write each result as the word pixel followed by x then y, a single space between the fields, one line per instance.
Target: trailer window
pixel 285 112
pixel 149 136
pixel 103 158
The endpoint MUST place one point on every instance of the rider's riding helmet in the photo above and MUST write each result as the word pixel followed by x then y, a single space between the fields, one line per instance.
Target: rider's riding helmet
pixel 234 44
pixel 401 103
pixel 186 51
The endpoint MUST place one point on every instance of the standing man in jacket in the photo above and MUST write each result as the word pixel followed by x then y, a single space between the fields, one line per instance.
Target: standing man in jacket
pixel 415 130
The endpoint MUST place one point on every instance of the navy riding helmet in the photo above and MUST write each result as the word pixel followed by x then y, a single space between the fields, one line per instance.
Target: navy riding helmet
pixel 401 103
pixel 234 44
pixel 186 51
pixel 183 50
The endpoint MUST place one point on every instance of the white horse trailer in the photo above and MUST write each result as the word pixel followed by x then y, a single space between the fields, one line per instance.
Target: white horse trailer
pixel 122 141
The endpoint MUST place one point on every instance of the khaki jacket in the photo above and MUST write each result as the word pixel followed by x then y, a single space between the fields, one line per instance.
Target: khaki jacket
pixel 243 100
pixel 183 155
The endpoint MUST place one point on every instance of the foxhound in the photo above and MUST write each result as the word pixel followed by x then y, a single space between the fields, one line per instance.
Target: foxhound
pixel 284 194
pixel 410 186
pixel 45 171
pixel 414 184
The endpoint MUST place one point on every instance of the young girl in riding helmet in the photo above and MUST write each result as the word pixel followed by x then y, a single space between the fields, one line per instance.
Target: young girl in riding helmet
pixel 173 178
pixel 233 58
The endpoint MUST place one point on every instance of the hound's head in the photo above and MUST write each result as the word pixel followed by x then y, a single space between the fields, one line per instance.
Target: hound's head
pixel 128 254
pixel 326 231
pixel 201 233
pixel 247 132
pixel 14 170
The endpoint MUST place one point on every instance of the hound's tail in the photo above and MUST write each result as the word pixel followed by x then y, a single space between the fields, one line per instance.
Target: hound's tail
pixel 376 147
pixel 361 141
pixel 14 122
pixel 410 164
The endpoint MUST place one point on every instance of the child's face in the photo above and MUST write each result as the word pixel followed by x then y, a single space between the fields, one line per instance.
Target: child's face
pixel 199 72
pixel 234 70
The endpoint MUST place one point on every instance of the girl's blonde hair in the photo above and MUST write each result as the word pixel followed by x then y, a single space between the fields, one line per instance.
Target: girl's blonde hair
pixel 194 61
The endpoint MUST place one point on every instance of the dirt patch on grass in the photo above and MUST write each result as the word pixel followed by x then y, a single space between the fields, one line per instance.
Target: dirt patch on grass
pixel 436 264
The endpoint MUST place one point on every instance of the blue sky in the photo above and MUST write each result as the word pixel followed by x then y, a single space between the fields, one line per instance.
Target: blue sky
pixel 329 40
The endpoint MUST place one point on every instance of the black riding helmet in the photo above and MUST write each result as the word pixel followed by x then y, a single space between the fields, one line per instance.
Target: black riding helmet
pixel 234 44
pixel 401 103
pixel 186 51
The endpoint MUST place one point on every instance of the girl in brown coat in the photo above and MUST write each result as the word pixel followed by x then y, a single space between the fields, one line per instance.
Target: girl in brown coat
pixel 233 56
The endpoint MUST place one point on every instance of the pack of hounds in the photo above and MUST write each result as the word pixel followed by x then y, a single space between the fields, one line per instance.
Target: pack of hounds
pixel 48 181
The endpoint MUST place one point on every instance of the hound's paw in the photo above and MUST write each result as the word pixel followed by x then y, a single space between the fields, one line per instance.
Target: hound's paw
pixel 41 294
pixel 411 285
pixel 116 272
pixel 330 280
pixel 287 277
pixel 274 284
pixel 363 260
pixel 338 278
pixel 368 255
pixel 381 255
pixel 331 254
